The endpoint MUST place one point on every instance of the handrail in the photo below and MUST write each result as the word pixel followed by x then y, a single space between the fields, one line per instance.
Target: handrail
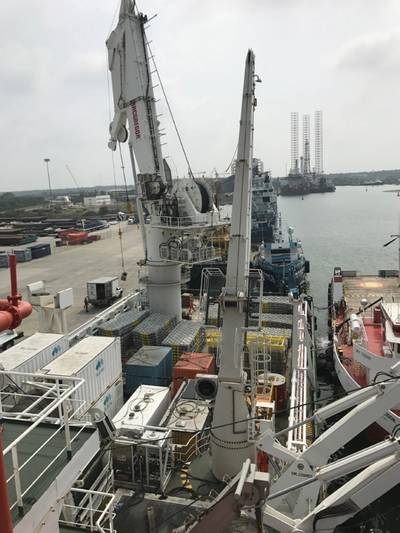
pixel 20 467
pixel 107 512
pixel 79 382
pixel 134 297
pixel 62 387
pixel 297 437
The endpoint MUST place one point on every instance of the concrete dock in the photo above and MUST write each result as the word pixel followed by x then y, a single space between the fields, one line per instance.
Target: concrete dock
pixel 73 266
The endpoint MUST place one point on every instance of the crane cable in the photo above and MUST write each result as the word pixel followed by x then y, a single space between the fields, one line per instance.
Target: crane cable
pixel 124 273
pixel 169 108
pixel 233 158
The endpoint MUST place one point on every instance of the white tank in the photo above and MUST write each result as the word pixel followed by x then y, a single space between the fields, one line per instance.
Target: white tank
pixel 355 325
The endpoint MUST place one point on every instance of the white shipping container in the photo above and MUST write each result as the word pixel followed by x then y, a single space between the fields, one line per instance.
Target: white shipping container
pixel 95 359
pixel 145 407
pixel 110 402
pixel 32 353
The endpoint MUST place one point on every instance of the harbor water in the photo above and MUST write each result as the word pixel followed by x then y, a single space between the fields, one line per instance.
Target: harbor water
pixel 346 228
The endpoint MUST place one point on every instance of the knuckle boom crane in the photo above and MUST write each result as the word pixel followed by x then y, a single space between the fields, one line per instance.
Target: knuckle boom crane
pixel 183 216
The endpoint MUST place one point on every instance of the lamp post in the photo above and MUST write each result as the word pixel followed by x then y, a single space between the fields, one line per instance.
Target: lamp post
pixel 47 161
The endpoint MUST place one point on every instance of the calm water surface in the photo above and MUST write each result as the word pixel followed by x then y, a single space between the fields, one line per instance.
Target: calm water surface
pixel 346 228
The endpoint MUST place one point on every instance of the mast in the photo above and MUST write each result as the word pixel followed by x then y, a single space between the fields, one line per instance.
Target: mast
pixel 229 444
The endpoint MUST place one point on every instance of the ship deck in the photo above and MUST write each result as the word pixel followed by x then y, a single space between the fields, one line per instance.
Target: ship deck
pixel 35 474
pixel 355 288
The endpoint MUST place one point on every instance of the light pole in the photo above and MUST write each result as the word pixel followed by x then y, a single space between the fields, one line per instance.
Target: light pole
pixel 47 161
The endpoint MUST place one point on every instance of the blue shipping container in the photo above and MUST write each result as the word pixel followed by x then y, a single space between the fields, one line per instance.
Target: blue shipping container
pixel 150 365
pixel 40 250
pixel 22 254
pixel 4 260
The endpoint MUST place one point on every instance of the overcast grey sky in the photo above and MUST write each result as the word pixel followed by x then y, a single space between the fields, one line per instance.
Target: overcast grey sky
pixel 341 56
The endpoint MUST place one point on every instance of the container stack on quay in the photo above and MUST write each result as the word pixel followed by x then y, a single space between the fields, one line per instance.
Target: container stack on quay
pixel 23 254
pixel 189 365
pixel 77 237
pixel 98 361
pixel 40 250
pixel 4 260
pixel 187 336
pixel 153 330
pixel 10 238
pixel 31 354
pixel 150 365
pixel 122 326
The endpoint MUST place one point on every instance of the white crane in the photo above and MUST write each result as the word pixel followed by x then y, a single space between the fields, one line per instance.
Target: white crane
pixel 294 499
pixel 182 213
pixel 229 445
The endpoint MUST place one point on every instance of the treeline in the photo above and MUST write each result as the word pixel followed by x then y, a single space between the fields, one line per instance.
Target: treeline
pixel 11 202
pixel 391 177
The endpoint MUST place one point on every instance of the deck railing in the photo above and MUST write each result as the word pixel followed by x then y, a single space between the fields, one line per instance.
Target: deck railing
pixel 96 519
pixel 58 399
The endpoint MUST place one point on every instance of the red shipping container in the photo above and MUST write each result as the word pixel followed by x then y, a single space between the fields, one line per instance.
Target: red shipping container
pixel 63 233
pixel 77 237
pixel 189 365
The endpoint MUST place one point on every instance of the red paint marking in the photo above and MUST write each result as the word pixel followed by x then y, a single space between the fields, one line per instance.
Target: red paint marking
pixel 135 120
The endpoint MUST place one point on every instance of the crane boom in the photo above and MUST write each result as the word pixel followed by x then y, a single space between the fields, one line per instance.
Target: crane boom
pixel 229 445
pixel 134 102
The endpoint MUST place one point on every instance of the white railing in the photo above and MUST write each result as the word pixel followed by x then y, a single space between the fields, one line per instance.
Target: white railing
pixel 189 256
pixel 212 219
pixel 179 221
pixel 297 437
pixel 133 300
pixel 101 521
pixel 58 398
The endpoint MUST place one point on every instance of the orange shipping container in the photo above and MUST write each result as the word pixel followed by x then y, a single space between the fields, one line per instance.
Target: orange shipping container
pixel 189 365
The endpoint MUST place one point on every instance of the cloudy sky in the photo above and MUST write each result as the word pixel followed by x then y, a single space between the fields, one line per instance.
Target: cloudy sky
pixel 341 56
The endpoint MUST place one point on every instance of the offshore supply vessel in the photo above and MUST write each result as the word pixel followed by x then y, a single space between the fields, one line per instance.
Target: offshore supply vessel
pixel 365 331
pixel 226 447
pixel 264 215
pixel 281 260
